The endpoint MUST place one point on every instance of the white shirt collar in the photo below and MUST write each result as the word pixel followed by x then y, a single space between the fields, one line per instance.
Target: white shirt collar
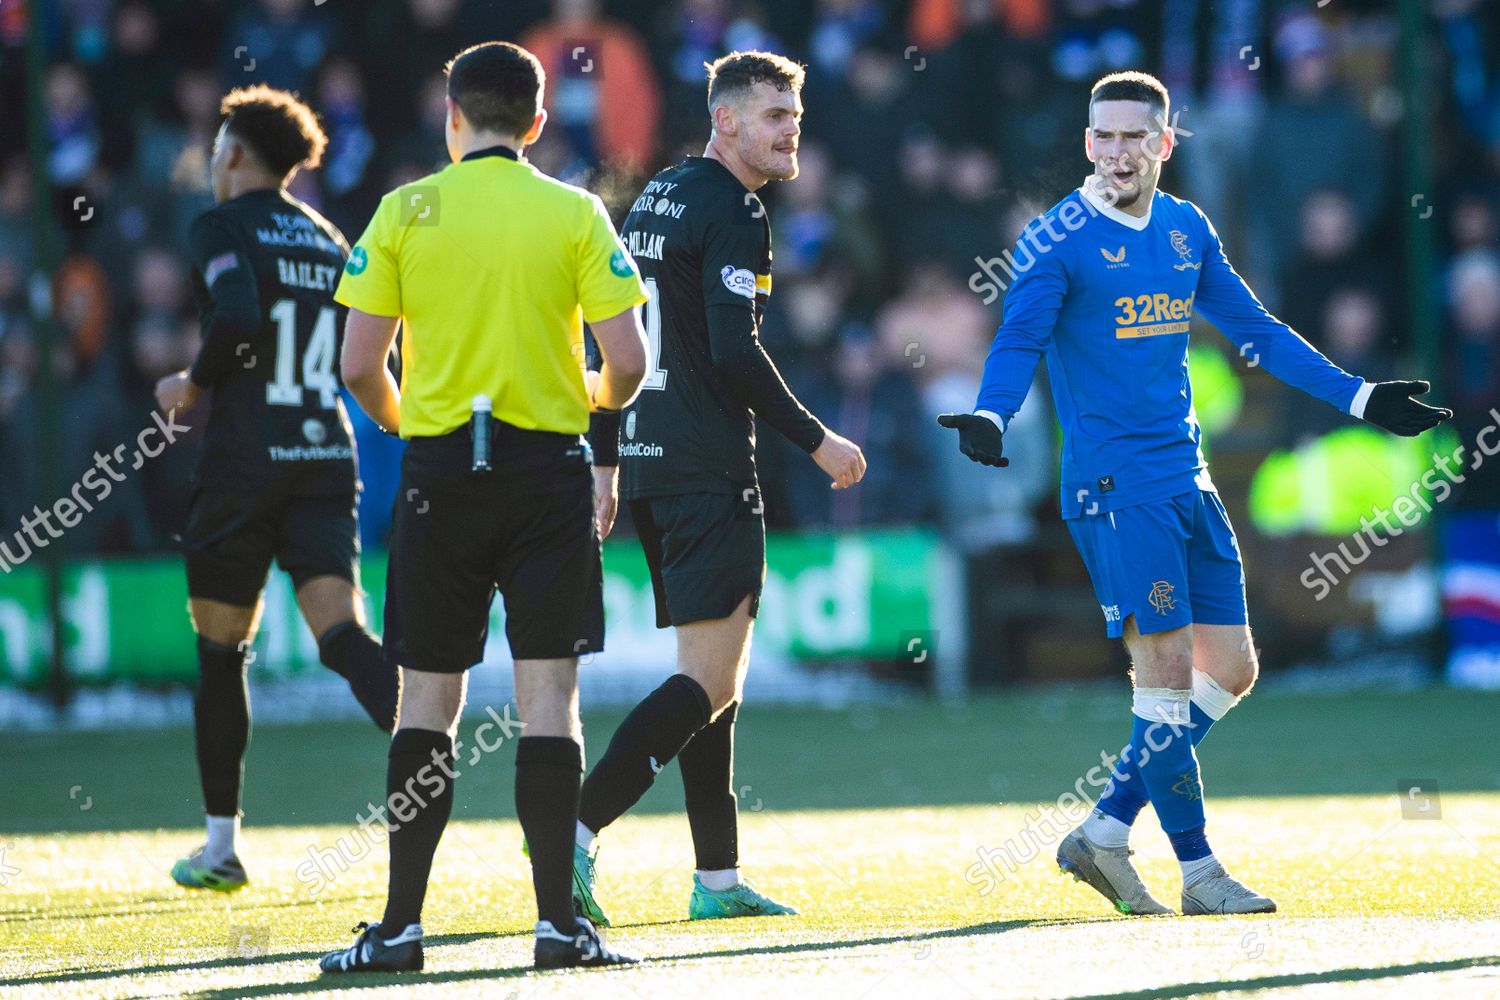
pixel 1110 212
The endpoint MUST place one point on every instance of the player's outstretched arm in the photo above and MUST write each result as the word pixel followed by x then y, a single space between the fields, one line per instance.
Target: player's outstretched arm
pixel 1267 342
pixel 1390 406
pixel 979 438
pixel 1264 341
pixel 1031 311
pixel 367 343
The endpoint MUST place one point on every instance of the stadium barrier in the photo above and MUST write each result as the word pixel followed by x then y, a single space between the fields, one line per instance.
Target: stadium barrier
pixel 873 596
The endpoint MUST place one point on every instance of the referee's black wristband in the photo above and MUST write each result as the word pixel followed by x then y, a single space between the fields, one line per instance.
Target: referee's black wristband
pixel 604 437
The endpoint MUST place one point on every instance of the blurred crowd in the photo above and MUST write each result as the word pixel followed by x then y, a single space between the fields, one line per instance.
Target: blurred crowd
pixel 934 130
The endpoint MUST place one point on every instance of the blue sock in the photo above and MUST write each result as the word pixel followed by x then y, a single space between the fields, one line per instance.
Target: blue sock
pixel 1190 845
pixel 1125 795
pixel 1169 770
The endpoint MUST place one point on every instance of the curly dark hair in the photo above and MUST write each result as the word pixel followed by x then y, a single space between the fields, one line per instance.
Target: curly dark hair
pixel 280 130
pixel 498 87
pixel 731 77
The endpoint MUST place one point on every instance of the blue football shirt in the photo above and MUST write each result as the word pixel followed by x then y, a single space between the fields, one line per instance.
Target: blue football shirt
pixel 1109 299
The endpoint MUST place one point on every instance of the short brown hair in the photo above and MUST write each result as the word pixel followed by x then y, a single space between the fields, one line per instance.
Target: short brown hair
pixel 279 129
pixel 1131 85
pixel 731 77
pixel 498 87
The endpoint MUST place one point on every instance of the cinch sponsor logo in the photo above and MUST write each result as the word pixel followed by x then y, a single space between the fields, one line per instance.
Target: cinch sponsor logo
pixel 738 280
pixel 1152 315
pixel 640 450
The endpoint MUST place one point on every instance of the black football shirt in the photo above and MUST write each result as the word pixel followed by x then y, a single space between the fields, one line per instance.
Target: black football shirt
pixel 265 267
pixel 700 240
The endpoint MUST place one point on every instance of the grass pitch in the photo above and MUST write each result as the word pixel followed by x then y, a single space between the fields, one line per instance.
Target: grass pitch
pixel 866 819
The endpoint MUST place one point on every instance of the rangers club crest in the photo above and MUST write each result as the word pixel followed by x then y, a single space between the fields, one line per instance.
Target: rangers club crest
pixel 1180 244
pixel 1161 597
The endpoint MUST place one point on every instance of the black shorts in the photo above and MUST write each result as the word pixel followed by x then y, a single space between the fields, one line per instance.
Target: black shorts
pixel 232 535
pixel 526 528
pixel 706 552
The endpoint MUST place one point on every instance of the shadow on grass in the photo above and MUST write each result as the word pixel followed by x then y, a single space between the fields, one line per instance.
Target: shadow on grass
pixel 185 904
pixel 1303 979
pixel 1179 990
pixel 232 961
pixel 32 913
pixel 323 983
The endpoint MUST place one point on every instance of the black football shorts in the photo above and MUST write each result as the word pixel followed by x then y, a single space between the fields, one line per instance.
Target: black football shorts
pixel 706 553
pixel 526 529
pixel 232 536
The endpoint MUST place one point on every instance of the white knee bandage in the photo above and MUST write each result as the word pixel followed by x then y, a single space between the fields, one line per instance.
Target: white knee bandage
pixel 1168 705
pixel 1210 696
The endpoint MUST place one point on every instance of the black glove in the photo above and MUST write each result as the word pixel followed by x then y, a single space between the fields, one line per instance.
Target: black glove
pixel 1392 408
pixel 978 437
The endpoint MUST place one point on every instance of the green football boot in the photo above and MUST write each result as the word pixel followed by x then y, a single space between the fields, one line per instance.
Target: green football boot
pixel 741 901
pixel 193 872
pixel 584 881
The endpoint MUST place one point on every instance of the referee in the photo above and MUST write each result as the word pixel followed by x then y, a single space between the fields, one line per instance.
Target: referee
pixel 493 267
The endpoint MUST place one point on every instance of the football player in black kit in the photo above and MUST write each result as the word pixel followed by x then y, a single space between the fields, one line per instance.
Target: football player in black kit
pixel 702 241
pixel 277 475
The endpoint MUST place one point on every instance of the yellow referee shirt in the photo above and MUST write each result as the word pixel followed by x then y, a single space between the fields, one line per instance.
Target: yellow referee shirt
pixel 493 267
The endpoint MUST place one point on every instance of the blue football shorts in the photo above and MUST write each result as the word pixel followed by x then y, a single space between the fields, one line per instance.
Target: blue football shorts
pixel 1168 562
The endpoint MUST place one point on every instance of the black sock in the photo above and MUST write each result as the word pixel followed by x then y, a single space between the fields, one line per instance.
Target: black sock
pixel 707 764
pixel 548 769
pixel 355 655
pixel 420 770
pixel 221 726
pixel 652 734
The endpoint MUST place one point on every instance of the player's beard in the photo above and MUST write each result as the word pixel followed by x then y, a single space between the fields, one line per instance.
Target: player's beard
pixel 778 166
pixel 1124 198
pixel 1119 197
